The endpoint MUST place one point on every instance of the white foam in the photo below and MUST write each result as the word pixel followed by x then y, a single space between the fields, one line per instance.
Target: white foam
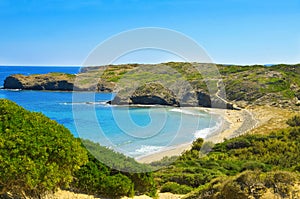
pixel 203 133
pixel 14 90
pixel 146 150
pixel 186 112
pixel 84 103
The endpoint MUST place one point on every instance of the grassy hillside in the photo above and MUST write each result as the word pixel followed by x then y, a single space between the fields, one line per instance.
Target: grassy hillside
pixel 278 85
pixel 274 157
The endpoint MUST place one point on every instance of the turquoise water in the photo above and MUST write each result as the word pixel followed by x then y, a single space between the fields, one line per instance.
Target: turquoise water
pixel 134 131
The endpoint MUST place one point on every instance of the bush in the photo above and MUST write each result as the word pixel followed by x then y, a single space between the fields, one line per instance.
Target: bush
pixel 37 155
pixel 250 184
pixel 175 188
pixel 197 144
pixel 294 121
pixel 96 178
pixel 252 165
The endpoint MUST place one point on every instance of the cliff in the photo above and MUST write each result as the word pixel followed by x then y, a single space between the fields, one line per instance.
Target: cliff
pixel 51 81
pixel 55 81
pixel 277 86
pixel 148 94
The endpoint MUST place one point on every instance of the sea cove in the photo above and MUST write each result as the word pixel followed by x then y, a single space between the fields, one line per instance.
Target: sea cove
pixel 134 131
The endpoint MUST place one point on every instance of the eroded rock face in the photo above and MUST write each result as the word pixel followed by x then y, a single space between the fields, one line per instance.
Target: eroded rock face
pixel 55 81
pixel 155 93
pixel 13 82
pixel 148 94
pixel 40 82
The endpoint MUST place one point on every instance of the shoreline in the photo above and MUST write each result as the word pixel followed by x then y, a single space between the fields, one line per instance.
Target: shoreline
pixel 233 121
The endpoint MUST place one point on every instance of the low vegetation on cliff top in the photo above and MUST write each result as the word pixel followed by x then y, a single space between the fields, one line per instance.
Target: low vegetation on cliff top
pixel 277 85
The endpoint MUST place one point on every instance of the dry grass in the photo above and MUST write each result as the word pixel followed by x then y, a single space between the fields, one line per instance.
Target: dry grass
pixel 270 118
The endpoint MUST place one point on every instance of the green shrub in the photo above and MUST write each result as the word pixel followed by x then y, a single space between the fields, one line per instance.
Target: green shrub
pixel 278 150
pixel 294 121
pixel 96 178
pixel 252 165
pixel 37 155
pixel 249 184
pixel 175 188
pixel 197 144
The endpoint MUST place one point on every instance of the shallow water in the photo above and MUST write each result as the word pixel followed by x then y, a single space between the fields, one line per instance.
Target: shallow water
pixel 134 131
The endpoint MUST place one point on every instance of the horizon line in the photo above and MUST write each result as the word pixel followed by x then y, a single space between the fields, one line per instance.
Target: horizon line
pixel 79 65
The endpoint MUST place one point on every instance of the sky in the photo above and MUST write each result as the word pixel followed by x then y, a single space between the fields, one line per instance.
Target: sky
pixel 64 32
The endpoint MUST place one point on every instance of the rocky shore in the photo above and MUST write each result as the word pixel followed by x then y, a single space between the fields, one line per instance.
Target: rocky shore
pixel 147 94
pixel 177 84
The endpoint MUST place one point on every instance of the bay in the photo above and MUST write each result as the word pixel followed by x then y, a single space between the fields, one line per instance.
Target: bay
pixel 134 131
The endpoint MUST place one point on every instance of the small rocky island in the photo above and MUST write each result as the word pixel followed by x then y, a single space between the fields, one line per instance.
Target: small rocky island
pixel 150 84
pixel 51 81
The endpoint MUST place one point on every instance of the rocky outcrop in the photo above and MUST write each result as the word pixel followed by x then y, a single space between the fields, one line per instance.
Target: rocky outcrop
pixel 148 94
pixel 56 81
pixel 40 82
pixel 13 82
pixel 104 86
pixel 155 93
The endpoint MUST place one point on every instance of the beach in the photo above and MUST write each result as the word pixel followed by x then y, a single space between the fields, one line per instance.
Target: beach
pixel 234 122
pixel 254 119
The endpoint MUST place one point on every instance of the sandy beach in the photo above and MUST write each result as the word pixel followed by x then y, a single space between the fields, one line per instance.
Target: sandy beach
pixel 63 194
pixel 254 119
pixel 234 122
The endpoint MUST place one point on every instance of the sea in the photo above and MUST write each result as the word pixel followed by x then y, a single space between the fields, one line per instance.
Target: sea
pixel 133 131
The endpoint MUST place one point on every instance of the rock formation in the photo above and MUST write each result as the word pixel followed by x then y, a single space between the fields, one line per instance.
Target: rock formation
pixel 40 82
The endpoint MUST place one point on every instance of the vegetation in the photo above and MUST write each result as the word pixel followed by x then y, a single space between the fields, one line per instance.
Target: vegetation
pixel 119 176
pixel 294 121
pixel 98 179
pixel 269 155
pixel 175 188
pixel 250 184
pixel 262 85
pixel 278 85
pixel 62 74
pixel 37 155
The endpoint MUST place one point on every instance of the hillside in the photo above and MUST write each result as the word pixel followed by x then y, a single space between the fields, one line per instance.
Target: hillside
pixel 278 85
pixel 38 156
pixel 249 166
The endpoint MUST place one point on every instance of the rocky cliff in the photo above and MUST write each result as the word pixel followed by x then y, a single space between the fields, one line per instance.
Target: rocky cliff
pixel 55 81
pixel 177 84
pixel 51 81
pixel 147 94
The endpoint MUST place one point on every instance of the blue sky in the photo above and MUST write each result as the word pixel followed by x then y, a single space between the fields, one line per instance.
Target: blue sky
pixel 63 32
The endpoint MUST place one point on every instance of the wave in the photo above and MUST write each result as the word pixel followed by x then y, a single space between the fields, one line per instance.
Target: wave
pixel 14 90
pixel 187 112
pixel 146 150
pixel 204 133
pixel 85 103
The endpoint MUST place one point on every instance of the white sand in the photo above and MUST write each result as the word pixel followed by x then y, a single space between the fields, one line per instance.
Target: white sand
pixel 232 121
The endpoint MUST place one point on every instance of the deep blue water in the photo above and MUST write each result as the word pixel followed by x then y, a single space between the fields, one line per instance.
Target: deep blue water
pixel 132 131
